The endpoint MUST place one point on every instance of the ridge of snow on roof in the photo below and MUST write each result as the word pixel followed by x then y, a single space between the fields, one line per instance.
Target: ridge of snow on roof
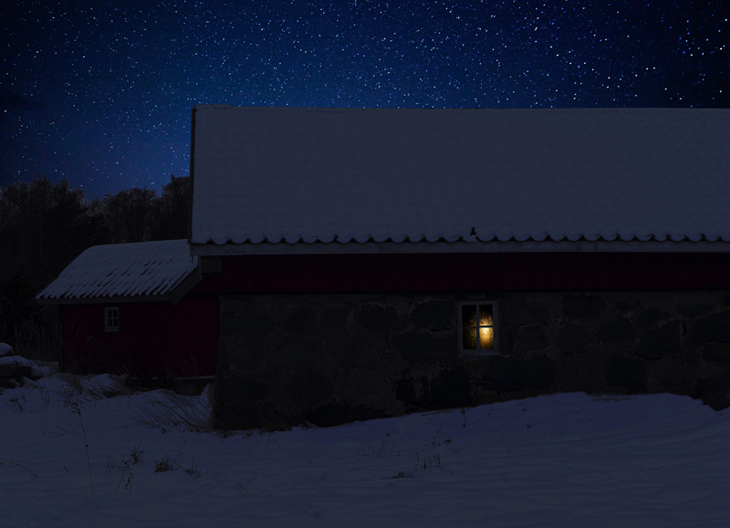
pixel 124 270
pixel 326 174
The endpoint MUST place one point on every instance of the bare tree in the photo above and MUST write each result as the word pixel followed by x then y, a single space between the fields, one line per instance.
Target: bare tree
pixel 173 210
pixel 129 215
pixel 43 227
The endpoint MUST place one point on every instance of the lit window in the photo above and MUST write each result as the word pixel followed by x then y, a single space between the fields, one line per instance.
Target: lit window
pixel 111 319
pixel 477 321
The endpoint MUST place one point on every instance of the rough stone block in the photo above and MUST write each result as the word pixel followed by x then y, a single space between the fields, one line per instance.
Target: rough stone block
pixel 573 338
pixel 618 330
pixel 516 309
pixel 714 328
pixel 504 375
pixel 716 352
pixel 379 317
pixel 234 354
pixel 301 320
pixel 693 309
pixel 709 385
pixel 307 387
pixel 532 337
pixel 508 339
pixel 660 342
pixel 435 315
pixel 293 353
pixel 650 317
pixel 451 388
pixel 332 414
pixel 405 388
pixel 334 317
pixel 673 376
pixel 691 356
pixel 231 389
pixel 583 305
pixel 713 391
pixel 258 415
pixel 245 325
pixel 540 311
pixel 627 372
pixel 364 388
pixel 420 347
pixel 539 372
pixel 583 373
pixel 627 307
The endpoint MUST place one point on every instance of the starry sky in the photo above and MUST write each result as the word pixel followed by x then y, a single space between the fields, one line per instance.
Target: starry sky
pixel 100 92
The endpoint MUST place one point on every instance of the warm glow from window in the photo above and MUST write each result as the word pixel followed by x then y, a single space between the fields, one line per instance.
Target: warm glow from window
pixel 477 324
pixel 486 338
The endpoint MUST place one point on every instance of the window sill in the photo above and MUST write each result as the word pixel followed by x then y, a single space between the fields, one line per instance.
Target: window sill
pixel 478 353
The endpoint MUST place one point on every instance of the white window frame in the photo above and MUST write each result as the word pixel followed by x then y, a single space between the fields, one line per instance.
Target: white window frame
pixel 495 317
pixel 111 319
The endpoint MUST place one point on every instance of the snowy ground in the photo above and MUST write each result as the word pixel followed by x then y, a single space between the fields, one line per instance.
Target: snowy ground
pixel 567 460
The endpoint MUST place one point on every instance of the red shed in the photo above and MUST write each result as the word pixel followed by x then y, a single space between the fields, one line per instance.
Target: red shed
pixel 382 261
pixel 143 308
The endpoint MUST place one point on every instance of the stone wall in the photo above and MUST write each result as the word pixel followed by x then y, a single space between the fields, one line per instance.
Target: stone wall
pixel 330 359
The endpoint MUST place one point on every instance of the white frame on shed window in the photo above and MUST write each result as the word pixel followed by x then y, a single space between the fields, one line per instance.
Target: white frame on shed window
pixel 111 319
pixel 479 328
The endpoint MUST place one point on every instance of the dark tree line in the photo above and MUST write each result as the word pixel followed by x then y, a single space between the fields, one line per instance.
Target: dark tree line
pixel 45 226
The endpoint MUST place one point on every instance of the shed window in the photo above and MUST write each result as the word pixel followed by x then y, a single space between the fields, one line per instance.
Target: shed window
pixel 478 327
pixel 111 319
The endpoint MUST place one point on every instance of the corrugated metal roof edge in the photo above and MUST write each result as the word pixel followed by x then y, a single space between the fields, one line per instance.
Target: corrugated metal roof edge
pixel 651 244
pixel 114 299
pixel 171 293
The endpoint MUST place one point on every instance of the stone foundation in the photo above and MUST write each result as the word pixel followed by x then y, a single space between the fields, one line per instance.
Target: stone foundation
pixel 331 359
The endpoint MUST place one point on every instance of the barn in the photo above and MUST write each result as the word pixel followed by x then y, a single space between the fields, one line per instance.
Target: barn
pixel 376 262
pixel 146 308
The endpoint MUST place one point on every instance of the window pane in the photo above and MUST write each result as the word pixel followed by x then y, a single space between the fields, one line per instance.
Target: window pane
pixel 486 338
pixel 469 315
pixel 470 338
pixel 486 316
pixel 111 319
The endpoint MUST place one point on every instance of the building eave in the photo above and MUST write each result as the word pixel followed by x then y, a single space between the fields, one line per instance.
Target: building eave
pixel 512 246
pixel 117 299
pixel 172 296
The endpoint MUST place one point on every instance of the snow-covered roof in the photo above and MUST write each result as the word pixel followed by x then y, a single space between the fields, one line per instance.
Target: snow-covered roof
pixel 138 271
pixel 451 175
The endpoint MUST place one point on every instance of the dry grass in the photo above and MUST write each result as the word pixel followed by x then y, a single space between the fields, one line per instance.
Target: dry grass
pixel 167 410
pixel 39 340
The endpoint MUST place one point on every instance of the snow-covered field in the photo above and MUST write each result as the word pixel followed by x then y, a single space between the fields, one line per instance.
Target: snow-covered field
pixel 567 460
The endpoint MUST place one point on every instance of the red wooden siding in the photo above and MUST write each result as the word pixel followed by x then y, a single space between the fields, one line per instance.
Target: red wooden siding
pixel 154 338
pixel 140 345
pixel 474 272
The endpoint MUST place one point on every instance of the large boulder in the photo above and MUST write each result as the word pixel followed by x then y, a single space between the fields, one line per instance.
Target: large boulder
pixel 5 350
pixel 13 370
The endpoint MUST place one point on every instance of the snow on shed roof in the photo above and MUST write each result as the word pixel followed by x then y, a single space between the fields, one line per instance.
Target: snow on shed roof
pixel 144 269
pixel 324 174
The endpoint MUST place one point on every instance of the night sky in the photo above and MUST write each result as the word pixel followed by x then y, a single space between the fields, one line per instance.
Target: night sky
pixel 100 92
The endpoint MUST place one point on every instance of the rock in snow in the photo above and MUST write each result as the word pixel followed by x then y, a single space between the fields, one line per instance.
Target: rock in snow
pixel 5 350
pixel 14 369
